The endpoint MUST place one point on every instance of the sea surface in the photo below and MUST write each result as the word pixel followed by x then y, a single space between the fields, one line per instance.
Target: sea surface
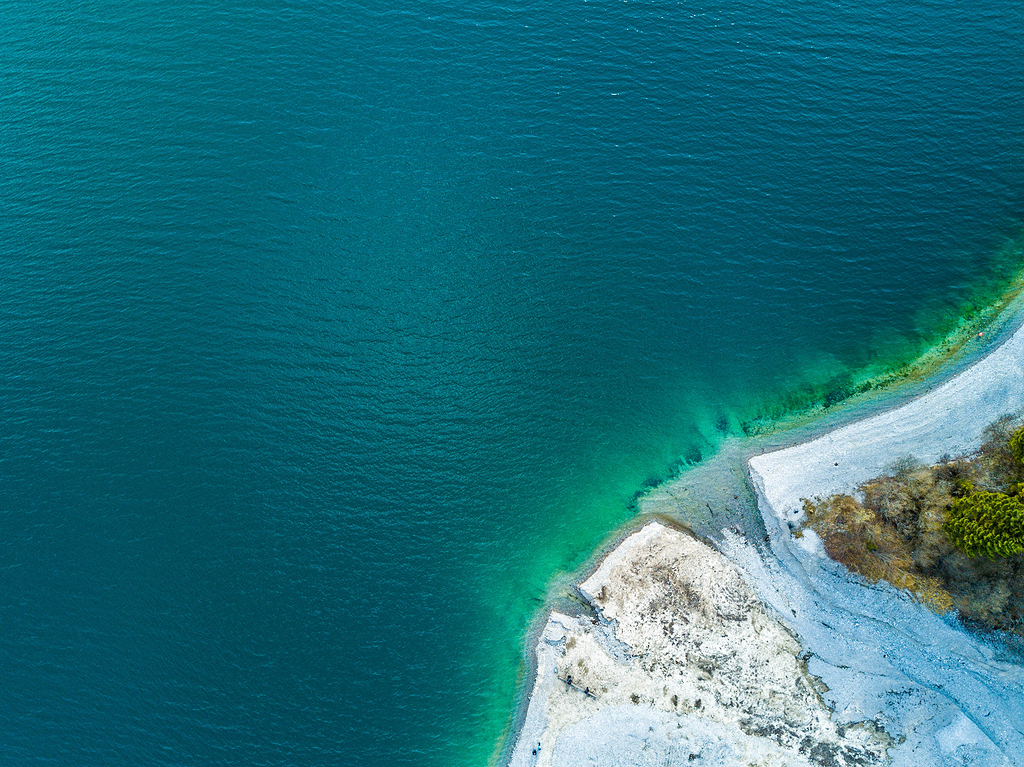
pixel 332 334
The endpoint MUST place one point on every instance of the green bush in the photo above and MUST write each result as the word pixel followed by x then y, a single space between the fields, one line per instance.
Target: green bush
pixel 987 523
pixel 962 488
pixel 1017 444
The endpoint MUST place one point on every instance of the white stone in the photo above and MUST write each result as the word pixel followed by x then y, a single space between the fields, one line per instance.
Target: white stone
pixel 685 663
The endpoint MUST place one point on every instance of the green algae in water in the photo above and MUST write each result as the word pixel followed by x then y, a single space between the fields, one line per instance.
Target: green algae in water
pixel 941 334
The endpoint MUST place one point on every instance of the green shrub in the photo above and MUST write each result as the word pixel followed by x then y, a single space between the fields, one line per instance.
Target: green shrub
pixel 987 523
pixel 962 488
pixel 1017 445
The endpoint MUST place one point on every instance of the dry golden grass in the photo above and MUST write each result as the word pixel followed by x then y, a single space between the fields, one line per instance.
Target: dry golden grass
pixel 861 540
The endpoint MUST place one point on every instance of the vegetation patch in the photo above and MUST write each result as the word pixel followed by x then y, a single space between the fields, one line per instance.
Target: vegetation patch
pixel 952 533
pixel 987 523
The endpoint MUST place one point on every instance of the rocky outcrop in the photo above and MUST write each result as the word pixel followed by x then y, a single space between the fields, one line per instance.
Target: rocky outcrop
pixel 682 664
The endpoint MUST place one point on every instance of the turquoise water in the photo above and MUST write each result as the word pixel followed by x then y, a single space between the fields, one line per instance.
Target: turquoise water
pixel 333 334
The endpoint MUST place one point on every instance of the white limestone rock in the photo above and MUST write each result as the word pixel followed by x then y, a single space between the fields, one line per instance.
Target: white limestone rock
pixel 684 666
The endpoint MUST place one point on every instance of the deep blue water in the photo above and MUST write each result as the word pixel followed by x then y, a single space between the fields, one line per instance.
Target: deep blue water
pixel 332 333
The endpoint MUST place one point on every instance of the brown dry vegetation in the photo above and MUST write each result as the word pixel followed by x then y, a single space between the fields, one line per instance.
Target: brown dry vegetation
pixel 895 533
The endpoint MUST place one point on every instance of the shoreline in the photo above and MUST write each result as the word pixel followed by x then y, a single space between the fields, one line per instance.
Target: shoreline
pixel 948 356
pixel 573 606
pixel 770 478
pixel 949 418
pixel 689 665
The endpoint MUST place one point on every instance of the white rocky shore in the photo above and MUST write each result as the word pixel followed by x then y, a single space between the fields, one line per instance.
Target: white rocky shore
pixel 695 656
pixel 950 420
pixel 684 665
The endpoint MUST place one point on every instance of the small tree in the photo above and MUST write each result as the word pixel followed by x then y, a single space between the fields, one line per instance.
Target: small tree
pixel 987 523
